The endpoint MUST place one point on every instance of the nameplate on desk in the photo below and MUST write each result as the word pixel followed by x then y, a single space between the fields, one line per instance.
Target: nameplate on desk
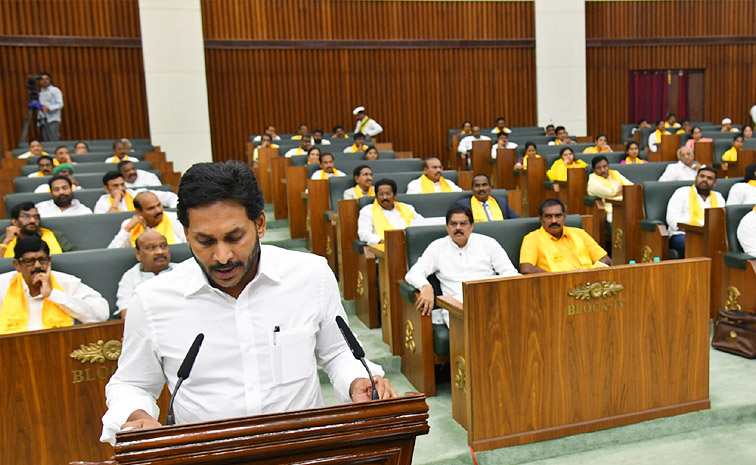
pixel 604 294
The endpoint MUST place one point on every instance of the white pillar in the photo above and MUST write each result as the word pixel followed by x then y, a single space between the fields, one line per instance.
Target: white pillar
pixel 560 64
pixel 174 73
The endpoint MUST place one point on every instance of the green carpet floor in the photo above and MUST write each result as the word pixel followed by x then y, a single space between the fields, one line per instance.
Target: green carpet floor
pixel 718 435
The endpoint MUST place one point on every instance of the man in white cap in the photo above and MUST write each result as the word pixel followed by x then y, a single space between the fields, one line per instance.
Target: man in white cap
pixel 365 124
pixel 727 126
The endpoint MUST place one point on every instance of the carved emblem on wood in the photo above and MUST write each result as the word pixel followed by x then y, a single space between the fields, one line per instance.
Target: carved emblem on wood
pixel 646 254
pixel 619 239
pixel 409 336
pixel 360 284
pixel 459 377
pixel 97 352
pixel 732 299
pixel 384 303
pixel 602 290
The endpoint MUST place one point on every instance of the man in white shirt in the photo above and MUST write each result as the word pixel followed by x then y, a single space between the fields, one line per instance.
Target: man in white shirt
pixel 365 124
pixel 460 256
pixel 154 257
pixel 687 205
pixel 385 213
pixel 34 297
pixel 118 198
pixel 654 139
pixel 465 145
pixel 35 148
pixel 747 233
pixel 44 167
pixel 363 179
pixel 51 101
pixel 134 177
pixel 120 154
pixel 148 214
pixel 327 168
pixel 432 180
pixel 63 202
pixel 63 155
pixel 64 169
pixel 685 169
pixel 317 138
pixel 742 193
pixel 502 142
pixel 501 126
pixel 359 144
pixel 562 137
pixel 304 146
pixel 269 130
pixel 255 358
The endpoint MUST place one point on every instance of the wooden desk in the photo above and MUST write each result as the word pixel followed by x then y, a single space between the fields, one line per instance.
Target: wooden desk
pixel 387 320
pixel 549 355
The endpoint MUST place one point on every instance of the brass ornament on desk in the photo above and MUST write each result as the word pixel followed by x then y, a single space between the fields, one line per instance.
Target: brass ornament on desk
pixel 329 247
pixel 409 336
pixel 360 284
pixel 97 352
pixel 618 242
pixel 731 303
pixel 384 303
pixel 602 290
pixel 646 253
pixel 460 377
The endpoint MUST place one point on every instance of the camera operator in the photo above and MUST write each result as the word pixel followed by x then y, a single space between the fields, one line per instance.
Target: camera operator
pixel 51 101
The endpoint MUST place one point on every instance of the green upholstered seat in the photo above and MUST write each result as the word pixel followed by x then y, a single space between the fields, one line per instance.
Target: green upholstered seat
pixel 383 166
pixel 85 231
pixel 86 180
pixel 340 156
pixel 735 257
pixel 91 167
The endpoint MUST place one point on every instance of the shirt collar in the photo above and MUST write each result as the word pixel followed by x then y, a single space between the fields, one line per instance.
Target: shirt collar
pixel 267 269
pixel 565 233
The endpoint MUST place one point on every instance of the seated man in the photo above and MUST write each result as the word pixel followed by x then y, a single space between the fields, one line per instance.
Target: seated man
pixel 601 145
pixel 671 122
pixel 34 297
pixel 687 205
pixel 118 198
pixel 148 214
pixel 727 126
pixel 135 177
pixel 301 132
pixel 465 145
pixel 654 139
pixel 384 213
pixel 127 145
pixel 81 147
pixel 327 168
pixel 25 222
pixel 63 155
pixel 742 193
pixel 35 148
pixel 747 233
pixel 338 133
pixel 63 202
pixel 501 126
pixel 154 257
pixel 64 169
pixel 269 130
pixel 562 137
pixel 317 138
pixel 460 256
pixel 304 146
pixel 642 123
pixel 432 180
pixel 483 205
pixel 359 144
pixel 502 142
pixel 363 178
pixel 119 154
pixel 686 127
pixel 606 183
pixel 265 141
pixel 685 169
pixel 45 167
pixel 555 247
pixel 731 155
pixel 550 130
pixel 466 129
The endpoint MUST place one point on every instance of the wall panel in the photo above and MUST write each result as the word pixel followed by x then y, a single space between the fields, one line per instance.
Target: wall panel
pixel 82 18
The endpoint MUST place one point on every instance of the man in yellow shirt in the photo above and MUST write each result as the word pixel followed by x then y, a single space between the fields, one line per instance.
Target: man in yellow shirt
pixel 555 247
pixel 606 183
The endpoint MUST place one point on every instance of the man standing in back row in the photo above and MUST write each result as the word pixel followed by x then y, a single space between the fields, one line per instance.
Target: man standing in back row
pixel 365 124
pixel 51 99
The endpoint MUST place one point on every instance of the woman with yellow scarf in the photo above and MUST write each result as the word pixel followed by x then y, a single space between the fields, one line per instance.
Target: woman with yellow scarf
pixel 558 171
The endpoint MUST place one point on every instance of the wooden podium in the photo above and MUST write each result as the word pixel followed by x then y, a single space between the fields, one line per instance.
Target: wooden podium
pixel 549 355
pixel 380 432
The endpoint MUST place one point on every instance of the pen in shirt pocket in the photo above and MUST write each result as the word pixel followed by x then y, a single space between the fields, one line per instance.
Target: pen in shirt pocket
pixel 276 330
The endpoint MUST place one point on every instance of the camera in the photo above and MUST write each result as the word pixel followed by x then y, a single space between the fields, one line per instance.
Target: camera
pixel 31 86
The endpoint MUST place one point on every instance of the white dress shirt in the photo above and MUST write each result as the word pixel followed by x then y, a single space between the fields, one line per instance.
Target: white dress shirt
pixel 747 233
pixel 77 299
pixel 144 179
pixel 295 151
pixel 112 159
pixel 316 175
pixel 52 98
pixel 167 199
pixel 652 142
pixel 495 147
pixel 322 142
pixel 741 193
pixel 48 209
pixel 46 188
pixel 245 366
pixel 678 208
pixel 679 172
pixel 465 145
pixel 366 229
pixel 416 187
pixel 133 277
pixel 349 194
pixel 122 238
pixel 371 129
pixel 482 257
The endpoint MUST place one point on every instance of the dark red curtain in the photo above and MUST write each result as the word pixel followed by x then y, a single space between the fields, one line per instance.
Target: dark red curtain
pixel 648 95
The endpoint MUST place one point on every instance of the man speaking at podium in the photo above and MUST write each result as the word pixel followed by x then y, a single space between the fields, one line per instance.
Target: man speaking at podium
pixel 268 316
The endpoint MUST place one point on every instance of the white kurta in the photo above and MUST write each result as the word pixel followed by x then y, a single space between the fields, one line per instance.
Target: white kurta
pixel 465 145
pixel 678 208
pixel 122 238
pixel 366 229
pixel 494 153
pixel 144 179
pixel 245 367
pixel 167 199
pixel 741 193
pixel 133 277
pixel 679 172
pixel 372 128
pixel 316 175
pixel 747 233
pixel 416 187
pixel 48 209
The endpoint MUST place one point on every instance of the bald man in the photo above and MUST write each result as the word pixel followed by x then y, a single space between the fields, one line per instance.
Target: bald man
pixel 148 214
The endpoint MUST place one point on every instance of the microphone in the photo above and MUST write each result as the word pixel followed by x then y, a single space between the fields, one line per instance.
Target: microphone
pixel 356 349
pixel 183 373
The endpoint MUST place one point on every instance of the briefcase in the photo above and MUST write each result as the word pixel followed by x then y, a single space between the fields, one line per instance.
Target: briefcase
pixel 735 333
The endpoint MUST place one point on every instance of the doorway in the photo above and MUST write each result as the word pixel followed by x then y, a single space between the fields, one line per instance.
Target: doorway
pixel 656 93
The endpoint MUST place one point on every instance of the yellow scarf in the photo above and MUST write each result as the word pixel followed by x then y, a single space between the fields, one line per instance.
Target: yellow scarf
pixel 525 161
pixel 658 135
pixel 165 227
pixel 752 182
pixel 635 161
pixel 363 124
pixel 14 314
pixel 680 131
pixel 55 162
pixel 382 224
pixel 612 174
pixel 115 159
pixel 479 213
pixel 297 137
pixel 129 202
pixel 47 236
pixel 696 212
pixel 300 151
pixel 359 194
pixel 667 125
pixel 38 174
pixel 428 188
pixel 324 175
pixel 497 130
pixel 355 149
pixel 465 132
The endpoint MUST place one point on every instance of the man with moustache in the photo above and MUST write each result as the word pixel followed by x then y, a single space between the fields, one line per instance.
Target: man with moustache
pixel 687 205
pixel 148 215
pixel 460 256
pixel 432 179
pixel 25 222
pixel 134 177
pixel 385 213
pixel 266 312
pixel 555 247
pixel 154 257
pixel 363 180
pixel 484 206
pixel 63 202
pixel 34 297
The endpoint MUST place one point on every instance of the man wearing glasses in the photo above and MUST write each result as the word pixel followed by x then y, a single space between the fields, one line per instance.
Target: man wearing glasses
pixel 460 256
pixel 33 297
pixel 25 222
